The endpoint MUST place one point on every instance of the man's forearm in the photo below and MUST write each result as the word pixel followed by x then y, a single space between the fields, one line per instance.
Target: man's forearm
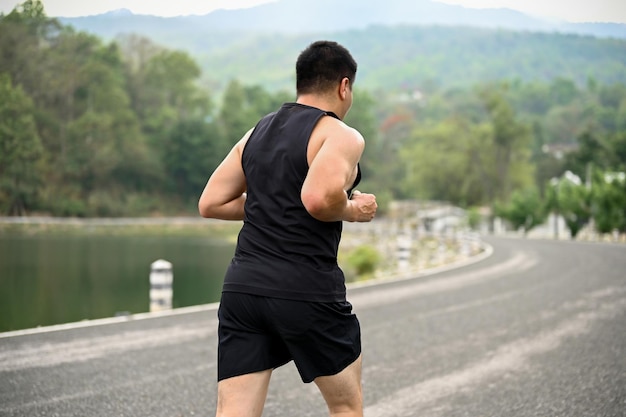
pixel 232 210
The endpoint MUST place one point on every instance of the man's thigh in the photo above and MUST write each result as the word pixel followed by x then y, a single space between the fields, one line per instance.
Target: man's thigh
pixel 243 395
pixel 342 392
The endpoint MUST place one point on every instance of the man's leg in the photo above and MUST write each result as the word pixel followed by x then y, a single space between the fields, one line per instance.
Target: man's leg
pixel 342 391
pixel 244 395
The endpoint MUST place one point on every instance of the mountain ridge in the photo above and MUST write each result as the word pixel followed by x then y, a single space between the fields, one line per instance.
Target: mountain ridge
pixel 391 55
pixel 300 16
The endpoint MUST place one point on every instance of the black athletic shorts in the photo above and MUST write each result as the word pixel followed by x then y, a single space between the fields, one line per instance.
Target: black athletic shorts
pixel 258 333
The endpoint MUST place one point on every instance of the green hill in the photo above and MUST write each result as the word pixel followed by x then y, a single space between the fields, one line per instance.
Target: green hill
pixel 416 57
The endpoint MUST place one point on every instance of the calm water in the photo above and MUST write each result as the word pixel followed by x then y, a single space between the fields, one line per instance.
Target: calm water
pixel 48 280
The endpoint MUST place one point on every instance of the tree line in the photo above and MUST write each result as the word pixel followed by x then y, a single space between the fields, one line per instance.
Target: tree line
pixel 130 128
pixel 513 147
pixel 95 129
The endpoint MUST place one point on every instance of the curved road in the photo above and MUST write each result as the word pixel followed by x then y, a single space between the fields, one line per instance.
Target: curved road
pixel 537 329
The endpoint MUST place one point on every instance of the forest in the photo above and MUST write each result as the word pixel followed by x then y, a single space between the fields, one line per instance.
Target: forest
pixel 430 58
pixel 129 127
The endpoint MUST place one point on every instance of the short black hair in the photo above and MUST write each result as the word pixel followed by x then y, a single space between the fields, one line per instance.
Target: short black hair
pixel 321 65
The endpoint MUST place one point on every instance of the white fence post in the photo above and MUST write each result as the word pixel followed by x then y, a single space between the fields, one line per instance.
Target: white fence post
pixel 161 278
pixel 403 250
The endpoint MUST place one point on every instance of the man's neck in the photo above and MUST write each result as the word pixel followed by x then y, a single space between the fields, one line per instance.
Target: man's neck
pixel 320 102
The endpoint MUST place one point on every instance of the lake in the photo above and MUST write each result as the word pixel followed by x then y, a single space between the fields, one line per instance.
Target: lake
pixel 57 278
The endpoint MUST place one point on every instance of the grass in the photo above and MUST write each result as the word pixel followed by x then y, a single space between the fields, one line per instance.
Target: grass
pixel 126 227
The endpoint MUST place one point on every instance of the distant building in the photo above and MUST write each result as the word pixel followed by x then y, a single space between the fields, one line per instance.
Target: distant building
pixel 559 150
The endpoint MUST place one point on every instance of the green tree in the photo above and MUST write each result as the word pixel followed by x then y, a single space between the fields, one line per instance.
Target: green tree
pixel 440 163
pixel 137 52
pixel 510 143
pixel 239 111
pixel 96 144
pixel 171 91
pixel 573 201
pixel 163 89
pixel 609 202
pixel 563 91
pixel 524 210
pixel 531 98
pixel 469 159
pixel 243 106
pixel 192 151
pixel 618 146
pixel 20 151
pixel 593 150
pixel 384 171
pixel 261 102
pixel 25 34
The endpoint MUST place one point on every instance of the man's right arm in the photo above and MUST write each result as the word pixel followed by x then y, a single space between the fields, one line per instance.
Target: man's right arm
pixel 331 172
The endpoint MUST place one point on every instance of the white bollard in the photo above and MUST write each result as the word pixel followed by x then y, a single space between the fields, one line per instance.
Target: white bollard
pixel 463 239
pixel 161 278
pixel 403 251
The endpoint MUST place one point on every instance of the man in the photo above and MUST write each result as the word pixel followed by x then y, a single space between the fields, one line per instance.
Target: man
pixel 291 179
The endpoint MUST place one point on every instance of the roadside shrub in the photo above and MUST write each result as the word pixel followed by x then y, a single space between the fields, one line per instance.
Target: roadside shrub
pixel 363 260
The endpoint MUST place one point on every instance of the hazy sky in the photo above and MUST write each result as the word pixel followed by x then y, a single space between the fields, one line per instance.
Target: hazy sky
pixel 571 10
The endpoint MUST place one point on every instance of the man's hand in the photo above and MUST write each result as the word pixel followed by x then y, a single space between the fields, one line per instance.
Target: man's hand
pixel 364 206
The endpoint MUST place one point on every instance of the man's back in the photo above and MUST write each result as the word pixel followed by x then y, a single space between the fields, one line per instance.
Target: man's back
pixel 282 250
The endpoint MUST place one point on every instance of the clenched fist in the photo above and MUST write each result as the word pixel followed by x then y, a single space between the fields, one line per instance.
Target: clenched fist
pixel 364 206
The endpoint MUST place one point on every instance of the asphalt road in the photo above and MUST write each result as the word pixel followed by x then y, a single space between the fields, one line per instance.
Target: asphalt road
pixel 536 329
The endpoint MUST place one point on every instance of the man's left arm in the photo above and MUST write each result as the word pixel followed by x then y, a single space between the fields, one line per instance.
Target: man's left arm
pixel 224 194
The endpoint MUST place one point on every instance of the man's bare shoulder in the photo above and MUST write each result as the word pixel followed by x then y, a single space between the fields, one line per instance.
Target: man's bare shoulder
pixel 336 137
pixel 242 142
pixel 330 128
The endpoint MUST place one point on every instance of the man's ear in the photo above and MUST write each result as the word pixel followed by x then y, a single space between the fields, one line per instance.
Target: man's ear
pixel 344 88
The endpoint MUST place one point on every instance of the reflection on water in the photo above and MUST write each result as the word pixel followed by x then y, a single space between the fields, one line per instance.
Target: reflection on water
pixel 48 280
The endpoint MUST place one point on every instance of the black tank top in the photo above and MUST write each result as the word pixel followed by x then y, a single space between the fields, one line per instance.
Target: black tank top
pixel 282 251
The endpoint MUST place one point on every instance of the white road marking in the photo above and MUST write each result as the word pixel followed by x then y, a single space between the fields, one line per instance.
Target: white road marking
pixel 519 262
pixel 87 348
pixel 512 357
